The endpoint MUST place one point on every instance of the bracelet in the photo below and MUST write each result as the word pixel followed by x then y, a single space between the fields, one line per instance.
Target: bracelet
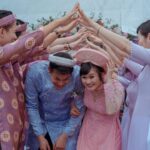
pixel 57 33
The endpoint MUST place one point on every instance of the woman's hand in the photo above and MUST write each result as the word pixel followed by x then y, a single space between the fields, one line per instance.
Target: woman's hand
pixel 81 31
pixel 83 19
pixel 111 71
pixel 95 39
pixel 74 111
pixel 78 43
pixel 67 28
pixel 93 46
pixel 72 15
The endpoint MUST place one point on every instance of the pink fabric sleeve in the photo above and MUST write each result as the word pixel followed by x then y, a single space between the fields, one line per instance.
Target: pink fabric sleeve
pixel 114 96
pixel 36 53
pixel 12 51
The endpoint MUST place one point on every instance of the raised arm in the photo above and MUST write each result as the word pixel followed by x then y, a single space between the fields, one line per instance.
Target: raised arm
pixel 68 46
pixel 58 32
pixel 140 53
pixel 121 42
pixel 68 39
pixel 59 22
pixel 114 95
pixel 134 67
pixel 114 92
pixel 12 51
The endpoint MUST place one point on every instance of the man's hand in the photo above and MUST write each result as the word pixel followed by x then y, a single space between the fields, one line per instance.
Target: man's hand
pixel 43 143
pixel 61 142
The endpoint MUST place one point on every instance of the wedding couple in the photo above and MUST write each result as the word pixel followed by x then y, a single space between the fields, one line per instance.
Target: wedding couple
pixel 58 91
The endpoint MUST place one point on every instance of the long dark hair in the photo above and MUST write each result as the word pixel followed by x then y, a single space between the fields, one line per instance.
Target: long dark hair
pixel 19 22
pixel 86 67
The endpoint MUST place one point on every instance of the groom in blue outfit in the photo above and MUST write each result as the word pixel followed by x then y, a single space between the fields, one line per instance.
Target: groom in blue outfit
pixel 51 88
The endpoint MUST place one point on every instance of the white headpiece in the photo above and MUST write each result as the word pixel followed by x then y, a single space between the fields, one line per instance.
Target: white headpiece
pixel 61 61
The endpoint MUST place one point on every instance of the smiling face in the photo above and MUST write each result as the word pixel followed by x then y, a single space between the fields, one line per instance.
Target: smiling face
pixel 59 79
pixel 91 81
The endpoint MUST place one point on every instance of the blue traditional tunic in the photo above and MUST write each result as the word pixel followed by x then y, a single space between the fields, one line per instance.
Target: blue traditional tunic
pixel 49 108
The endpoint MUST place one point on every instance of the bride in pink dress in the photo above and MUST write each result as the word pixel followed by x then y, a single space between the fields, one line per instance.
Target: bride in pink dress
pixel 103 97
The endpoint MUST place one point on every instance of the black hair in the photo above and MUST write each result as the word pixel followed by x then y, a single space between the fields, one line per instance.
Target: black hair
pixel 144 28
pixel 19 22
pixel 86 67
pixel 61 69
pixel 5 13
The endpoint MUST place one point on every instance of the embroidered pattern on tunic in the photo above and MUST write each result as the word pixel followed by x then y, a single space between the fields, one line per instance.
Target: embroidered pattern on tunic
pixel 10 118
pixel 5 136
pixel 5 86
pixel 30 42
pixel 14 103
